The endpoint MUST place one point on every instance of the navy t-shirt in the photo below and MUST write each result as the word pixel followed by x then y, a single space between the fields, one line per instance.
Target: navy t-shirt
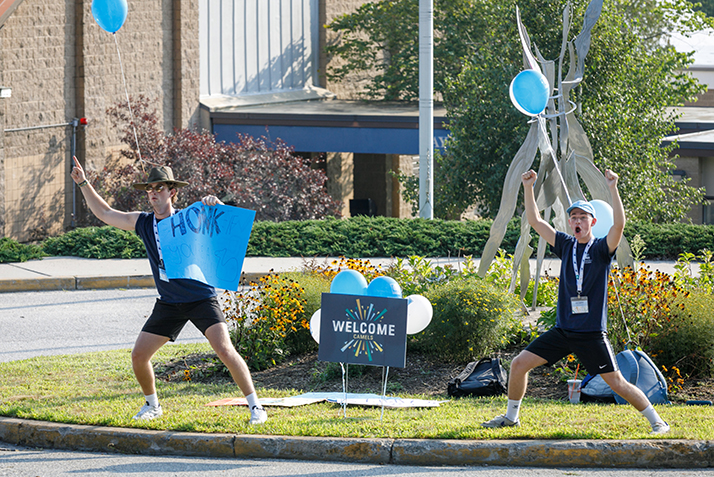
pixel 595 276
pixel 179 290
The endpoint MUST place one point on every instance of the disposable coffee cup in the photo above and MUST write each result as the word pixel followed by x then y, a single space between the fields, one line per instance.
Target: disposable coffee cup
pixel 574 390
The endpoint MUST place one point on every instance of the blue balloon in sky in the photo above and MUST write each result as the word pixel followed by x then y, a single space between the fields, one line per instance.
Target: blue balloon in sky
pixel 529 92
pixel 386 287
pixel 605 220
pixel 110 14
pixel 349 282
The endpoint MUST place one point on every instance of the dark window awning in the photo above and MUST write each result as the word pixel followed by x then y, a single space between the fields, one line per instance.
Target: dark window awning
pixel 330 126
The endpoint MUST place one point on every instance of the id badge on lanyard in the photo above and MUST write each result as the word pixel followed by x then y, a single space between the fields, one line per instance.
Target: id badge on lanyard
pixel 162 268
pixel 579 304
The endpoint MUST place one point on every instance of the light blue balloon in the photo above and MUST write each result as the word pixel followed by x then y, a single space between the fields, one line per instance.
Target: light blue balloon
pixel 110 14
pixel 605 220
pixel 529 92
pixel 349 282
pixel 386 287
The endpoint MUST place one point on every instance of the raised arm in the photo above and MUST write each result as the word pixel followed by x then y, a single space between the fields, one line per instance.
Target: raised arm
pixel 98 206
pixel 542 227
pixel 618 212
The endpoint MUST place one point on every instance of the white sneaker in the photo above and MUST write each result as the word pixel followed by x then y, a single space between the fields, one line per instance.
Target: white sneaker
pixel 501 421
pixel 660 428
pixel 148 412
pixel 257 415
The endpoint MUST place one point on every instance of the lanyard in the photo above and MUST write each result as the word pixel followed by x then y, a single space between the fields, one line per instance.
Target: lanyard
pixel 579 272
pixel 158 243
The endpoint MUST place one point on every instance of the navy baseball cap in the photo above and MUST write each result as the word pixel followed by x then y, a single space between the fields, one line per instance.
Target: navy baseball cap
pixel 583 205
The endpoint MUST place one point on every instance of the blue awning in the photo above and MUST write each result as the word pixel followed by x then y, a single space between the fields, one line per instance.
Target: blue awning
pixel 335 139
pixel 330 126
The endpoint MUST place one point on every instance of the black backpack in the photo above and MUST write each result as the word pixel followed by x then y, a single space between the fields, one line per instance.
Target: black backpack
pixel 485 377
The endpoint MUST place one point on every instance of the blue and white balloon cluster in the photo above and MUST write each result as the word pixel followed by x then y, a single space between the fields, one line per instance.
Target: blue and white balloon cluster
pixel 352 282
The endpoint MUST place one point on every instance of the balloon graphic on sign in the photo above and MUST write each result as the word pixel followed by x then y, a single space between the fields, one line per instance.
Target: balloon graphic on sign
pixel 419 313
pixel 603 213
pixel 386 287
pixel 349 282
pixel 315 321
pixel 529 92
pixel 110 14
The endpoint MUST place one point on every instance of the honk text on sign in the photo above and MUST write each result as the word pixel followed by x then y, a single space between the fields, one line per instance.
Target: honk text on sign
pixel 207 244
pixel 362 329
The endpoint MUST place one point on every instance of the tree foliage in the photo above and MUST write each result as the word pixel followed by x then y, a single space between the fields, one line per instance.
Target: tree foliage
pixel 706 6
pixel 631 78
pixel 250 173
pixel 382 38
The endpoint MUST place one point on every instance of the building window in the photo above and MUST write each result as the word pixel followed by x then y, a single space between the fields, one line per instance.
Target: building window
pixel 708 211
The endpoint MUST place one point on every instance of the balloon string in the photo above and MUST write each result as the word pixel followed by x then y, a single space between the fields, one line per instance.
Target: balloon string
pixel 541 126
pixel 128 103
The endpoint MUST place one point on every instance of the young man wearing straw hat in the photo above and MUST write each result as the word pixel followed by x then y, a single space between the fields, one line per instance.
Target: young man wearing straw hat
pixel 581 324
pixel 180 300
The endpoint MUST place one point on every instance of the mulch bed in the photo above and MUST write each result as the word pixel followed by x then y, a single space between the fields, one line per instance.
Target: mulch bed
pixel 422 376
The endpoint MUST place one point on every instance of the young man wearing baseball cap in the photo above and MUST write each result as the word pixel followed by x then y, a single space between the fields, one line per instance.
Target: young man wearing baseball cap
pixel 581 323
pixel 180 300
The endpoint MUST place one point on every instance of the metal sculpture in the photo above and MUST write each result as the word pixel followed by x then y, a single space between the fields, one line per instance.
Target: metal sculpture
pixel 561 169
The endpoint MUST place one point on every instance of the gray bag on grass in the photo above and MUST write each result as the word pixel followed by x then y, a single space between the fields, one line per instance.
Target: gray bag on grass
pixel 637 368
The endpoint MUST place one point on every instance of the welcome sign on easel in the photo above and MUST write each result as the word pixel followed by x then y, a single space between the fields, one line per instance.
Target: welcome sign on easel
pixel 359 329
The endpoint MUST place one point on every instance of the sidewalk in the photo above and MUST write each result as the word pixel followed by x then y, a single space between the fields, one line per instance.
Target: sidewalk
pixel 75 273
pixel 70 273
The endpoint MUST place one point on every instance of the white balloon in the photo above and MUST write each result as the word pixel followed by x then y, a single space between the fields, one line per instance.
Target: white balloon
pixel 315 321
pixel 604 214
pixel 419 313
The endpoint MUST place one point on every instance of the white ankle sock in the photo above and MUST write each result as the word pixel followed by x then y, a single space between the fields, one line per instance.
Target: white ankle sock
pixel 513 409
pixel 651 415
pixel 152 399
pixel 252 399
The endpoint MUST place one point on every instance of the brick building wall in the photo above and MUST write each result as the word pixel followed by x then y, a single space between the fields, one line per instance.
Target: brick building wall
pixel 61 65
pixel 351 86
pixel 359 176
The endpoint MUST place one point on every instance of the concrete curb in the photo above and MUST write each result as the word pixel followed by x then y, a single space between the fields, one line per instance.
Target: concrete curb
pixel 75 283
pixel 89 283
pixel 429 452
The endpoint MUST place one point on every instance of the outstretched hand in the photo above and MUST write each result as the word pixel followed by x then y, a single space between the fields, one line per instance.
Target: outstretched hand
pixel 211 200
pixel 529 178
pixel 77 172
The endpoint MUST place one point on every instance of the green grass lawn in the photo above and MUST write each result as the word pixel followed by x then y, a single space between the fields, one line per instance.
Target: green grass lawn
pixel 100 389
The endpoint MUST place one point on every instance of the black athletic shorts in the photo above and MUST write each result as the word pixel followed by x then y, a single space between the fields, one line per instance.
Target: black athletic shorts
pixel 593 349
pixel 168 319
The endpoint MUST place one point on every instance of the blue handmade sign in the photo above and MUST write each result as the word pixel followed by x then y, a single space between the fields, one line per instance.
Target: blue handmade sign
pixel 207 244
pixel 362 329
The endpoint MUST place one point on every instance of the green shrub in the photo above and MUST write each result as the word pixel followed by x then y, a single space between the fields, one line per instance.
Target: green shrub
pixel 643 299
pixel 96 242
pixel 416 274
pixel 390 237
pixel 687 338
pixel 313 286
pixel 12 251
pixel 270 320
pixel 668 241
pixel 471 319
pixel 685 278
pixel 375 237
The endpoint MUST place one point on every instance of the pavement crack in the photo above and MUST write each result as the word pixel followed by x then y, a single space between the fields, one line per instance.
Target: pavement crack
pixel 28 270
